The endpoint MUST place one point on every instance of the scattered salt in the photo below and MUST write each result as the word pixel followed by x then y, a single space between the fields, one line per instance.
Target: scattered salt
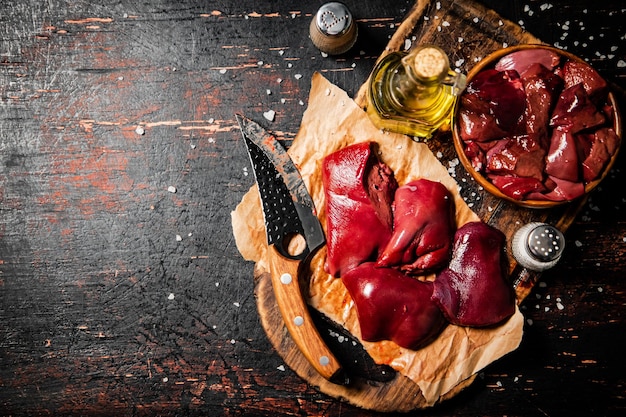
pixel 179 238
pixel 297 76
pixel 171 296
pixel 529 321
pixel 281 52
pixel 578 243
pixel 165 379
pixel 281 368
pixel 407 44
pixel 269 115
pixel 560 306
pixel 269 92
pixel 223 71
pixel 171 189
pixel 324 54
pixel 260 63
pixel 600 289
pixel 236 304
pixel 140 130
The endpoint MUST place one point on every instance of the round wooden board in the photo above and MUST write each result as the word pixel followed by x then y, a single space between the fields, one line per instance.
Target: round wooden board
pixel 399 395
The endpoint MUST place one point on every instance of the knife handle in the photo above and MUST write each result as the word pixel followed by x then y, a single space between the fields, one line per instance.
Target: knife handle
pixel 284 273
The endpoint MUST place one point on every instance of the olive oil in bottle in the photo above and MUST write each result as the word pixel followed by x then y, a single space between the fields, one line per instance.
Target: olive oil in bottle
pixel 413 92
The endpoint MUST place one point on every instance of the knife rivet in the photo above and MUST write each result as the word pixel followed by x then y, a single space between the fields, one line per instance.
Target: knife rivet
pixel 298 321
pixel 324 360
pixel 285 278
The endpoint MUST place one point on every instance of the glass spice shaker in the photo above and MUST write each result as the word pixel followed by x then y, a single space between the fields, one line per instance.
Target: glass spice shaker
pixel 333 29
pixel 537 246
pixel 413 92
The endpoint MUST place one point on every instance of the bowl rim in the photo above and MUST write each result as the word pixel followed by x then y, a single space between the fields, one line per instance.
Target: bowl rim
pixel 490 60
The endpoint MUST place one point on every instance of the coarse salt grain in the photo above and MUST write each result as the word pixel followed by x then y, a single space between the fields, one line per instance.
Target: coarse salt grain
pixel 179 238
pixel 140 130
pixel 297 76
pixel 223 71
pixel 236 304
pixel 171 296
pixel 171 189
pixel 269 115
pixel 560 306
pixel 281 368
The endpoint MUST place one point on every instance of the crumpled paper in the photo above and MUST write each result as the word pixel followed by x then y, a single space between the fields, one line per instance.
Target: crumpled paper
pixel 333 121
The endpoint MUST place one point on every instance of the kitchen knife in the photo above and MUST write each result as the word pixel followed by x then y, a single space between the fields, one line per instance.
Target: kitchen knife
pixel 290 222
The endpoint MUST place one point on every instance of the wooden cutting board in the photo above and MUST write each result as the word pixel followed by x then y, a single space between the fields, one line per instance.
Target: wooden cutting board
pixel 467 31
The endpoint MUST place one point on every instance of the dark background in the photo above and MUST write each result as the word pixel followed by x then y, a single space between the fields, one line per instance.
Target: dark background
pixel 119 297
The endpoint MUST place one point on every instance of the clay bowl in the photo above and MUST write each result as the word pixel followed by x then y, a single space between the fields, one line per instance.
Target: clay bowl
pixel 489 62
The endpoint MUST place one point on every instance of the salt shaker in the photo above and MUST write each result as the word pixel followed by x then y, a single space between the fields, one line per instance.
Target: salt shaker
pixel 333 29
pixel 538 246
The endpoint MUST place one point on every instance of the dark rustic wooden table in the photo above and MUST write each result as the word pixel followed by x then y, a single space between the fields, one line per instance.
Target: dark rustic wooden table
pixel 121 289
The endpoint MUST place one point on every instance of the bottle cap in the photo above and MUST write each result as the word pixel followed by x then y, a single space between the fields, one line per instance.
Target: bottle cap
pixel 538 246
pixel 333 30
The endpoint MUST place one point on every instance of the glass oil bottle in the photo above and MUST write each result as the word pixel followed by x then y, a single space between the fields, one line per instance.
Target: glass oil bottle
pixel 413 92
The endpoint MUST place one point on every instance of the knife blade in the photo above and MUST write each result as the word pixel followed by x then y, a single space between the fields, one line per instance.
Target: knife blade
pixel 290 216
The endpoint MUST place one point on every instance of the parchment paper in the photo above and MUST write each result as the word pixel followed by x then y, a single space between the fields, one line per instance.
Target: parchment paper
pixel 331 122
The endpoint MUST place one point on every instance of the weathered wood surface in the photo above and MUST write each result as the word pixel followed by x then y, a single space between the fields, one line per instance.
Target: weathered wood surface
pixel 118 296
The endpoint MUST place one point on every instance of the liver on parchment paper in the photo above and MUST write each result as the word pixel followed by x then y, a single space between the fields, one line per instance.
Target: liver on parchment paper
pixel 121 289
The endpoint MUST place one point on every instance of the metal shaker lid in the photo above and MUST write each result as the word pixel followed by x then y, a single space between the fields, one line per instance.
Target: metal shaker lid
pixel 333 29
pixel 333 19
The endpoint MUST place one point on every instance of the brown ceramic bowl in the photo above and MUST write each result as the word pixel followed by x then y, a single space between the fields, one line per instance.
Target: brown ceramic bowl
pixel 489 62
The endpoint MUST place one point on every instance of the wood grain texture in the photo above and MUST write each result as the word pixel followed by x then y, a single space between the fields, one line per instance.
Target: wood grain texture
pixel 105 310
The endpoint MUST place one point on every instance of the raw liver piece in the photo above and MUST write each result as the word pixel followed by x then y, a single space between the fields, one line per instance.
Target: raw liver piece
pixel 393 306
pixel 476 123
pixel 504 91
pixel 473 290
pixel 575 111
pixel 603 144
pixel 423 228
pixel 520 61
pixel 562 160
pixel 519 156
pixel 541 87
pixel 359 191
pixel 562 190
pixel 575 72
pixel 517 187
